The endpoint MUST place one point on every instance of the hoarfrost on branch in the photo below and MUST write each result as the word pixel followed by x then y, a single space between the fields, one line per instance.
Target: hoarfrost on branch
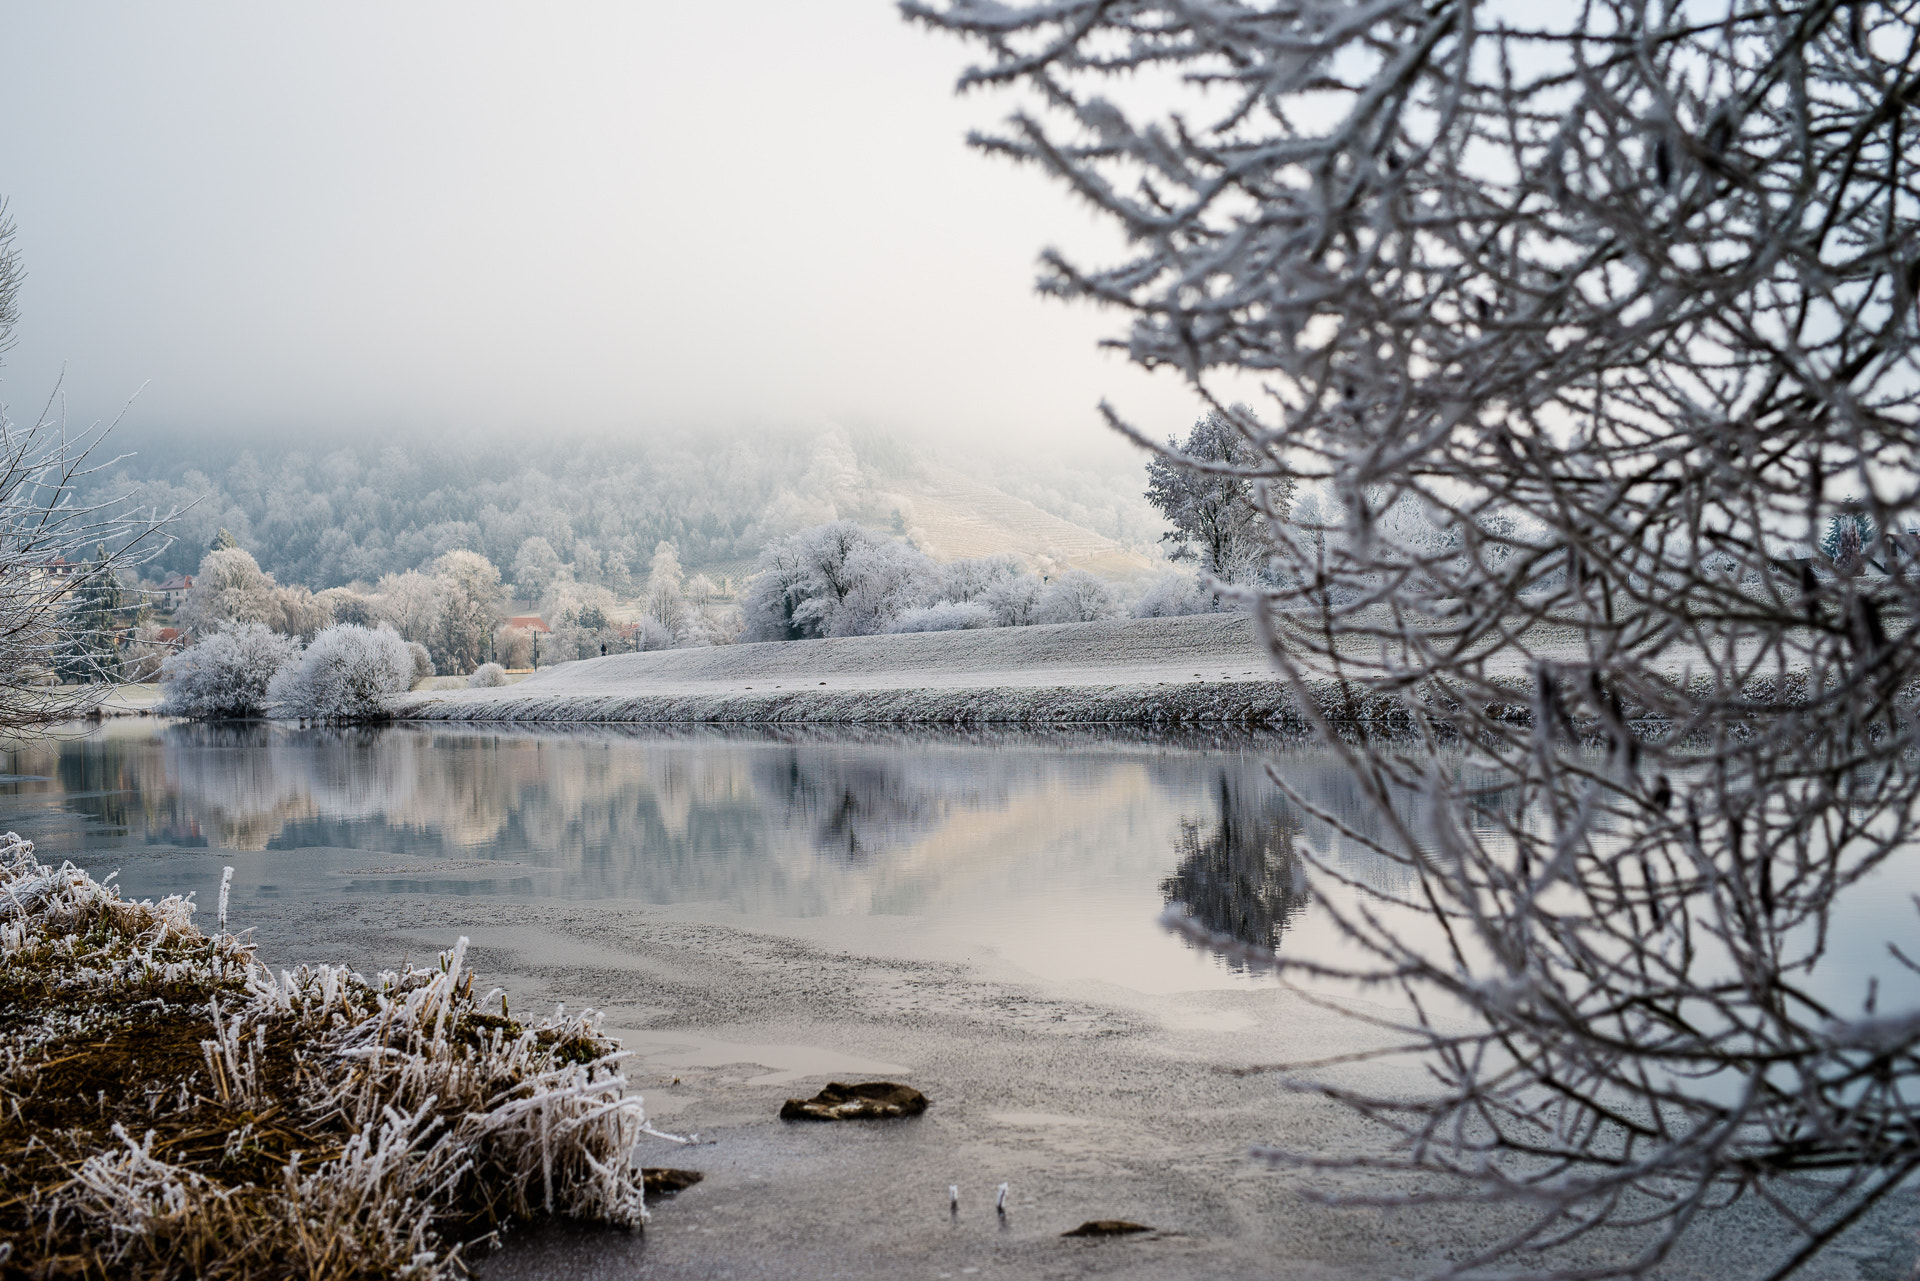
pixel 1580 327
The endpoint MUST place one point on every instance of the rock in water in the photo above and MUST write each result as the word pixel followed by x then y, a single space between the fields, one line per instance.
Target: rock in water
pixel 661 1181
pixel 1107 1228
pixel 868 1101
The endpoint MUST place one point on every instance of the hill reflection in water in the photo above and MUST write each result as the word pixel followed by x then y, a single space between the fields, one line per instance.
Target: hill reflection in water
pixel 1020 834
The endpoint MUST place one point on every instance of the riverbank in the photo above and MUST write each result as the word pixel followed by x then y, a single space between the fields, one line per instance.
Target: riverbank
pixel 1201 670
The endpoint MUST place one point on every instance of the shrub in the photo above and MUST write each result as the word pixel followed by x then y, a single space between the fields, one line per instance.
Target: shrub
pixel 422 660
pixel 348 674
pixel 1077 597
pixel 1175 595
pixel 944 616
pixel 836 579
pixel 1013 600
pixel 228 674
pixel 487 676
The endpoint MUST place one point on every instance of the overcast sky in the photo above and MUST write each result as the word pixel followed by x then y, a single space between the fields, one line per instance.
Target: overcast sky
pixel 613 217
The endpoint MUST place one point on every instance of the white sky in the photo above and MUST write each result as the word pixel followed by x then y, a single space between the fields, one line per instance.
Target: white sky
pixel 611 217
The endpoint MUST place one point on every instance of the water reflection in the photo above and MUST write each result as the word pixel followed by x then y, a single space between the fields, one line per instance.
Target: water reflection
pixel 1057 849
pixel 1239 871
pixel 857 803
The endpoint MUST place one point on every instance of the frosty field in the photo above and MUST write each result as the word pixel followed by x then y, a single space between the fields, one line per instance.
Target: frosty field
pixel 1205 668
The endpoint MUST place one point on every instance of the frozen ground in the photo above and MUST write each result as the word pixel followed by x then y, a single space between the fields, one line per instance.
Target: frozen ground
pixel 1203 668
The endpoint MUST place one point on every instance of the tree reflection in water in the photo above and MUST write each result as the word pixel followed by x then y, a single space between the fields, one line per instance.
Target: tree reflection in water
pixel 1238 872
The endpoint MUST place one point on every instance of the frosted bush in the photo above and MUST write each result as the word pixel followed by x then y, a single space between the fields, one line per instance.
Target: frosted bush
pixel 973 577
pixel 1077 597
pixel 837 579
pixel 422 660
pixel 227 674
pixel 1013 601
pixel 1174 595
pixel 654 634
pixel 347 674
pixel 944 616
pixel 487 676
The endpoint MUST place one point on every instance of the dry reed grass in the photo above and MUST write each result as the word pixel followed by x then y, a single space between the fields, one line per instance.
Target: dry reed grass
pixel 171 1108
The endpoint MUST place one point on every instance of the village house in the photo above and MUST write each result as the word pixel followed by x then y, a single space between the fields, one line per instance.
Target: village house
pixel 173 592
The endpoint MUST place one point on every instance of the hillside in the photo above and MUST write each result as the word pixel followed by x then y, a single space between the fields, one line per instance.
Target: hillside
pixel 365 508
pixel 951 516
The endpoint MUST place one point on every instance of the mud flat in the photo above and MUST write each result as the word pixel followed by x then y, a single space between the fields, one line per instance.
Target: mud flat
pixel 1207 669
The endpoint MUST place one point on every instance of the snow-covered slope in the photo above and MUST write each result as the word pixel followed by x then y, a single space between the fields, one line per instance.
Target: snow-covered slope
pixel 1202 668
pixel 954 516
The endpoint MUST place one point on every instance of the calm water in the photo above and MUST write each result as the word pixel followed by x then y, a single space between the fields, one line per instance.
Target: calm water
pixel 1056 854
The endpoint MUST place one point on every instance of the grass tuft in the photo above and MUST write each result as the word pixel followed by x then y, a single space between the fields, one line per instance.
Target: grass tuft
pixel 171 1108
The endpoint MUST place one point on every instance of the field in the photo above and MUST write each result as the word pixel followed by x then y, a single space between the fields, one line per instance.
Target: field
pixel 1196 669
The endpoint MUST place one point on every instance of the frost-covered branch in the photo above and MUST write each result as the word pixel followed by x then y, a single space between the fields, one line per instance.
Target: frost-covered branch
pixel 1586 326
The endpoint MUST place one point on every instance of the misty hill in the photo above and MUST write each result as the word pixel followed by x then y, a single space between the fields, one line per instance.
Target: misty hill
pixel 327 514
pixel 950 515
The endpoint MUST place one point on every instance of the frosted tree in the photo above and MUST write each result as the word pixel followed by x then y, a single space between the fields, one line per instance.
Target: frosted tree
pixel 884 580
pixel 973 577
pixel 514 646
pixel 1622 298
pixel 1211 490
pixel 1014 601
pixel 535 567
pixel 836 579
pixel 666 601
pixel 230 588
pixel 469 590
pixel 583 619
pixel 345 605
pixel 299 611
pixel 413 604
pixel 227 675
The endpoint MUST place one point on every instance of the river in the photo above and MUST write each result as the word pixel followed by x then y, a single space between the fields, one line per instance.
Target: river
pixel 757 912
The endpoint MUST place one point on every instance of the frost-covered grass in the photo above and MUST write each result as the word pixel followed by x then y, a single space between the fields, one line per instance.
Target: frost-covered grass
pixel 169 1107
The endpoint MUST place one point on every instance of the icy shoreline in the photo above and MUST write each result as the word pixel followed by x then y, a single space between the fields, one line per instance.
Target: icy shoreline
pixel 1205 669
